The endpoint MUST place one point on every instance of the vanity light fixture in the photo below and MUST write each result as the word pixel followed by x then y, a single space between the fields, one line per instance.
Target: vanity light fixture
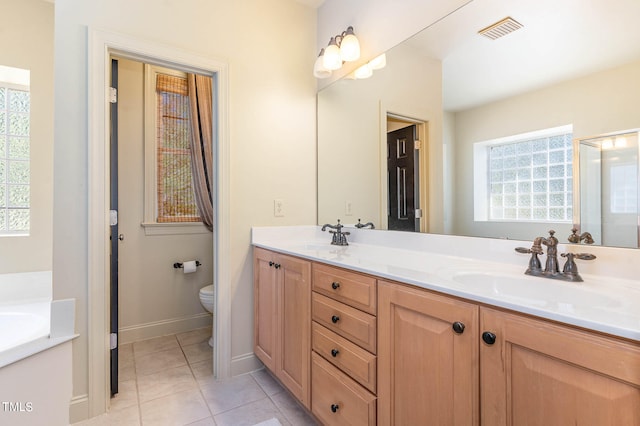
pixel 343 47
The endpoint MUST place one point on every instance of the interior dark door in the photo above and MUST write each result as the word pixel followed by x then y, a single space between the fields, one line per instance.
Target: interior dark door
pixel 114 227
pixel 402 177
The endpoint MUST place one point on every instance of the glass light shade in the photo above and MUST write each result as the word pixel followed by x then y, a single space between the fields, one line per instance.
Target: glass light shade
pixel 350 46
pixel 331 58
pixel 319 71
pixel 364 71
pixel 378 62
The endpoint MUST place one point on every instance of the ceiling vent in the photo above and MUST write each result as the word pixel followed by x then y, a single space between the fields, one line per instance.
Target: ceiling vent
pixel 501 28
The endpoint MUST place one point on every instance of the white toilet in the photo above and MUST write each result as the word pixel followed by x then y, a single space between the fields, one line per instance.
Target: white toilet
pixel 206 298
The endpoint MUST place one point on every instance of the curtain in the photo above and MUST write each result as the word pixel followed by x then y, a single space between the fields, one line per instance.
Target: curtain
pixel 200 99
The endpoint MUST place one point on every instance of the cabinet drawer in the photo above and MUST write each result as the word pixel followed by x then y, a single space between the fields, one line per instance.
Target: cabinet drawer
pixel 350 323
pixel 350 358
pixel 338 400
pixel 354 289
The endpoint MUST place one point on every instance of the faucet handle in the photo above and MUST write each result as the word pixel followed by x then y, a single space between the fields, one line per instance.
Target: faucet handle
pixel 523 250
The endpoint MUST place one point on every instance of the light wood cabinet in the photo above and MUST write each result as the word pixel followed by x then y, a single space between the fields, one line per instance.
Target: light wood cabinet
pixel 282 319
pixel 539 373
pixel 427 371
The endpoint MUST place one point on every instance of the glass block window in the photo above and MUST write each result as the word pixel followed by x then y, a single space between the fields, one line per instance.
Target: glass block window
pixel 15 106
pixel 175 193
pixel 531 179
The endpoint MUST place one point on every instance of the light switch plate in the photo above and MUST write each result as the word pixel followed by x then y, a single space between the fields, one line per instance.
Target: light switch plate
pixel 278 207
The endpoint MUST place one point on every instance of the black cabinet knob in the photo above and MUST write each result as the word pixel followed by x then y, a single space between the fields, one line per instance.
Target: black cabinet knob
pixel 458 327
pixel 488 337
pixel 277 266
pixel 335 285
pixel 334 352
pixel 335 319
pixel 271 263
pixel 334 408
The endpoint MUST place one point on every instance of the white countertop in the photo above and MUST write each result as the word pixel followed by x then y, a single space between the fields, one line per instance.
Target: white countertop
pixel 477 269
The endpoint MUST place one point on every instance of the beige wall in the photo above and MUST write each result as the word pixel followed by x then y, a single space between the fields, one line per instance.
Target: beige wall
pixel 154 298
pixel 270 48
pixel 600 103
pixel 26 41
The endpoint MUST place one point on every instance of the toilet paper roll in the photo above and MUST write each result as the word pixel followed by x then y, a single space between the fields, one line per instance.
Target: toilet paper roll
pixel 189 266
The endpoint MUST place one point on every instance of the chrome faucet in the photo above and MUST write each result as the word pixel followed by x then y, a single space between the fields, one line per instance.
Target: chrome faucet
pixel 360 225
pixel 576 239
pixel 551 268
pixel 339 238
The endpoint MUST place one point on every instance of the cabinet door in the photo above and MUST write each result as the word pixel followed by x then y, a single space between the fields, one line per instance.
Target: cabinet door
pixel 427 372
pixel 294 326
pixel 538 373
pixel 265 307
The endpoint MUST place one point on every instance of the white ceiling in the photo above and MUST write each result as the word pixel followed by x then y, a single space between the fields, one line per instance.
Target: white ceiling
pixel 561 39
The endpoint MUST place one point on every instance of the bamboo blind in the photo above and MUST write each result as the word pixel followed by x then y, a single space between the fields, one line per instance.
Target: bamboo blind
pixel 175 193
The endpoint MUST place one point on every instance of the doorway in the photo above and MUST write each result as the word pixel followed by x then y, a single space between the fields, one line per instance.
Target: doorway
pixel 102 45
pixel 153 161
pixel 406 168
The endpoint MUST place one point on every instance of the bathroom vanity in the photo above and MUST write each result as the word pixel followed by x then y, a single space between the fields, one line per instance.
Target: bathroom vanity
pixel 397 328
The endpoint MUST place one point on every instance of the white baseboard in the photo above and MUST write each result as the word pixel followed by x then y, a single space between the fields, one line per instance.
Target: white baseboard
pixel 79 408
pixel 245 363
pixel 162 328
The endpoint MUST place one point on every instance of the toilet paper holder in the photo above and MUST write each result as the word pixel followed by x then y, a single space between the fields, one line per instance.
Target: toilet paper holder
pixel 179 265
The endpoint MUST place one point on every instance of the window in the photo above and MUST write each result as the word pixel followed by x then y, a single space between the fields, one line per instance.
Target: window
pixel 527 177
pixel 175 196
pixel 15 105
pixel 170 206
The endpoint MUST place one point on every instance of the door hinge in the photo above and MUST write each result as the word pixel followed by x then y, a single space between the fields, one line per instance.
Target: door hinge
pixel 418 213
pixel 113 341
pixel 417 144
pixel 113 95
pixel 113 217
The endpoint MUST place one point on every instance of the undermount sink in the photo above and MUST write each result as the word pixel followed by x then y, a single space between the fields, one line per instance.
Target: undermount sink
pixel 314 246
pixel 565 296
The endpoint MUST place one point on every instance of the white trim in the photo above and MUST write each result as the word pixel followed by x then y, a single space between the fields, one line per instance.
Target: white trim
pixel 102 45
pixel 78 408
pixel 175 228
pixel 162 328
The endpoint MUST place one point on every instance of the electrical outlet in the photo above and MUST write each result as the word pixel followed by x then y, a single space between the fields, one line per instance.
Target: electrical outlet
pixel 348 208
pixel 278 207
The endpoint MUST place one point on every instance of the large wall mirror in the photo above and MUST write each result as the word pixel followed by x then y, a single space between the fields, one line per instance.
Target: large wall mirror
pixel 497 126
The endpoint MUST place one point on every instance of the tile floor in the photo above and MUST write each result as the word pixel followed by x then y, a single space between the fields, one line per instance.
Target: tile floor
pixel 169 381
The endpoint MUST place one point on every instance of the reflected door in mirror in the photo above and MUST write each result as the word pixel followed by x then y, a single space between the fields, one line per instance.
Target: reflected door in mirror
pixel 402 173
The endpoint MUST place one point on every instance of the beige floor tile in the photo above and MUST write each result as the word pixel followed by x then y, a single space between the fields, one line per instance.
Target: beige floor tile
pixel 165 382
pixel 126 370
pixel 127 395
pixel 198 352
pixel 157 361
pixel 194 336
pixel 204 422
pixel 293 410
pixel 180 408
pixel 269 385
pixel 156 344
pixel 250 414
pixel 125 352
pixel 203 371
pixel 126 417
pixel 227 394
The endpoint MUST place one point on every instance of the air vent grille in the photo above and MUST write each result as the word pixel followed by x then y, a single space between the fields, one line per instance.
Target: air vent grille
pixel 501 28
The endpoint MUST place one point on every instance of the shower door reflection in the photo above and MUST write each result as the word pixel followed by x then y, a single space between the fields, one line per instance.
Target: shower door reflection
pixel 608 188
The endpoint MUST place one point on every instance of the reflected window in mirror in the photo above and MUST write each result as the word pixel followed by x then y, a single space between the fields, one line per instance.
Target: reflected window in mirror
pixel 15 106
pixel 525 178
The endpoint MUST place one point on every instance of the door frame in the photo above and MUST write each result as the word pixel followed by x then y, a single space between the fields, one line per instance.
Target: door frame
pixel 422 127
pixel 102 45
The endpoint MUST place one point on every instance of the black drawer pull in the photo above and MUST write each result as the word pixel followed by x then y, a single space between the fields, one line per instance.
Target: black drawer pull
pixel 334 352
pixel 335 319
pixel 334 408
pixel 335 285
pixel 489 338
pixel 458 327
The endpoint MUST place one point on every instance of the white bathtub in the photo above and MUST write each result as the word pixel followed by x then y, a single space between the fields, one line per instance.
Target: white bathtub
pixel 35 343
pixel 23 323
pixel 30 322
